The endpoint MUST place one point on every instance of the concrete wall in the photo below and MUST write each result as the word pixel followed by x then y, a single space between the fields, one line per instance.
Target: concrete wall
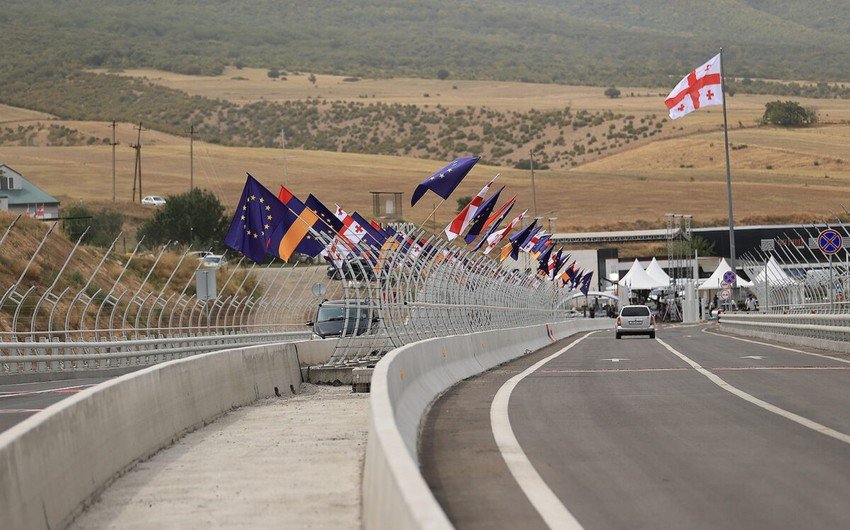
pixel 313 352
pixel 54 462
pixel 829 332
pixel 404 384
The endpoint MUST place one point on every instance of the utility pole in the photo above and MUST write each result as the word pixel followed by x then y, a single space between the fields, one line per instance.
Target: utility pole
pixel 283 146
pixel 137 168
pixel 533 187
pixel 113 144
pixel 191 158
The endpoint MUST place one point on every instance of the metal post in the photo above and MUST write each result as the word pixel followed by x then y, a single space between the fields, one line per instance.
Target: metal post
pixel 533 187
pixel 728 170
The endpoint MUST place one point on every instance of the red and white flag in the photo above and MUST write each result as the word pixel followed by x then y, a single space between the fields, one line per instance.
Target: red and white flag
pixel 701 88
pixel 462 220
pixel 496 237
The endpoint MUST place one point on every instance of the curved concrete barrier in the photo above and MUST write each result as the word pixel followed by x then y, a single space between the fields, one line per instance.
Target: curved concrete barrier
pixel 404 384
pixel 56 461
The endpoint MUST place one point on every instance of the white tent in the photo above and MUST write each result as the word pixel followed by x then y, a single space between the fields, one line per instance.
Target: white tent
pixel 775 274
pixel 655 270
pixel 713 282
pixel 638 279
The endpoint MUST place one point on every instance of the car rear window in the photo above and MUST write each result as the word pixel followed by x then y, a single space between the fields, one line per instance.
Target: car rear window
pixel 635 311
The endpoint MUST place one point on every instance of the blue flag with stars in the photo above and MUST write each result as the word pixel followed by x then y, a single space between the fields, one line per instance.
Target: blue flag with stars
pixel 257 213
pixel 444 181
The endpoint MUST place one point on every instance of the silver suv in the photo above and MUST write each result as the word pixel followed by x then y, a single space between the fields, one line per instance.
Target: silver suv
pixel 635 320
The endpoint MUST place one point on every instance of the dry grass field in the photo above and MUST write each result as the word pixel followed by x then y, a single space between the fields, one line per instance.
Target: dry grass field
pixel 778 174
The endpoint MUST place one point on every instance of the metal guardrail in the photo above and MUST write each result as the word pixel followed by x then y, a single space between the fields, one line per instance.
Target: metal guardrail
pixel 829 327
pixel 30 357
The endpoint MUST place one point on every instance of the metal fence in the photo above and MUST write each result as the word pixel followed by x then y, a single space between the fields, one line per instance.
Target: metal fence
pixel 412 287
pixel 791 275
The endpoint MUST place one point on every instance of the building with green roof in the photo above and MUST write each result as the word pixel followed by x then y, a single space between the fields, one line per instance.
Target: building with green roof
pixel 18 195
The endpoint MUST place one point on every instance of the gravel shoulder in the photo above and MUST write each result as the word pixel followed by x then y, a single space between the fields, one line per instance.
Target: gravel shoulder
pixel 280 463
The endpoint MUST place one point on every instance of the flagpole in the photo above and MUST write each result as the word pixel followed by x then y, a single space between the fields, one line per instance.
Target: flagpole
pixel 732 257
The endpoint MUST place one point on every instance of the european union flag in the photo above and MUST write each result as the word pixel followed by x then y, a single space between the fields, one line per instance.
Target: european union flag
pixel 585 283
pixel 481 216
pixel 444 181
pixel 517 240
pixel 257 214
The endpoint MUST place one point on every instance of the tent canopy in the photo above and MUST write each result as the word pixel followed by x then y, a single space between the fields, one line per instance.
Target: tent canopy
pixel 656 272
pixel 638 279
pixel 713 281
pixel 775 274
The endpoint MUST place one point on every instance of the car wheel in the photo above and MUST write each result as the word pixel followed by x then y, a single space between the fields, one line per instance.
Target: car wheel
pixel 619 336
pixel 652 335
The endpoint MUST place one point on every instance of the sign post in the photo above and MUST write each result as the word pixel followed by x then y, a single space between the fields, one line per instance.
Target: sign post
pixel 830 243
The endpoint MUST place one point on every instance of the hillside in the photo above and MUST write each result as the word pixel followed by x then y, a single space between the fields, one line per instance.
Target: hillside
pixel 597 42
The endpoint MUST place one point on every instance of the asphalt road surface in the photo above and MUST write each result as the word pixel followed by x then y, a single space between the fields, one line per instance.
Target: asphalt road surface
pixel 694 430
pixel 20 401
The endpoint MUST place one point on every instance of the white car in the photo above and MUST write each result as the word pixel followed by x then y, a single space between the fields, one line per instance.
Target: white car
pixel 214 261
pixel 635 320
pixel 153 200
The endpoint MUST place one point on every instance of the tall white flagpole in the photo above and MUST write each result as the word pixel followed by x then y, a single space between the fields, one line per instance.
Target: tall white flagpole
pixel 732 257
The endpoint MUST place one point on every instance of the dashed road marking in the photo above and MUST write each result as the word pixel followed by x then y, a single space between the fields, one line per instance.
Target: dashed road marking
pixel 714 378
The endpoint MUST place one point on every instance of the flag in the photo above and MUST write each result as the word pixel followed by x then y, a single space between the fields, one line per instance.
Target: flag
pixel 543 262
pixel 702 87
pixel 482 215
pixel 444 181
pixel 532 241
pixel 501 213
pixel 496 236
pixel 299 231
pixel 520 238
pixel 39 212
pixel 358 229
pixel 467 214
pixel 258 212
pixel 585 283
pixel 554 264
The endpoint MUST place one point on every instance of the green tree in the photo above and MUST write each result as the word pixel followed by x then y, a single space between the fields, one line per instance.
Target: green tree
pixel 463 201
pixel 104 226
pixel 312 79
pixel 442 74
pixel 612 92
pixel 195 217
pixel 274 73
pixel 788 114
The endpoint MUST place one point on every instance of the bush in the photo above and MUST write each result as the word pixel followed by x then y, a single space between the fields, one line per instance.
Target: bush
pixel 104 226
pixel 788 114
pixel 442 74
pixel 194 218
pixel 612 92
pixel 274 73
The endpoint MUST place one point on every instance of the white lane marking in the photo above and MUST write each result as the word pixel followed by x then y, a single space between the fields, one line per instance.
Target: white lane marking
pixel 615 360
pixel 46 391
pixel 777 346
pixel 19 411
pixel 805 422
pixel 756 357
pixel 544 500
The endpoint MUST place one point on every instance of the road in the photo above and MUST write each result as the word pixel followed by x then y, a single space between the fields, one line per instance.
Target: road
pixel 694 430
pixel 20 401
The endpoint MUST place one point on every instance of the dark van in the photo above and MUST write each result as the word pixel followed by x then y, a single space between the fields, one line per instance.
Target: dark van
pixel 332 316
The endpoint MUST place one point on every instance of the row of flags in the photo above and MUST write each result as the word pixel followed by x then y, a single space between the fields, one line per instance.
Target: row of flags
pixel 280 225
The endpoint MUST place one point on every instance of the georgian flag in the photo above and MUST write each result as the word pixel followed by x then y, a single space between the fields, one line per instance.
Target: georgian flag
pixel 497 236
pixel 533 240
pixel 700 88
pixel 462 220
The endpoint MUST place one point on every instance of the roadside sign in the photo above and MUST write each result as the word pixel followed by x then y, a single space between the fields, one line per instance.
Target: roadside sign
pixel 729 277
pixel 830 242
pixel 724 284
pixel 725 295
pixel 767 245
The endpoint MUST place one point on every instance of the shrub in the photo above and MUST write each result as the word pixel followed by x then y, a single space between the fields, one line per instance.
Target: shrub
pixel 788 114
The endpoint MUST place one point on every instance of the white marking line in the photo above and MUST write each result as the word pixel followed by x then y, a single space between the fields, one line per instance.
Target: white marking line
pixel 805 422
pixel 19 411
pixel 776 346
pixel 544 500
pixel 46 391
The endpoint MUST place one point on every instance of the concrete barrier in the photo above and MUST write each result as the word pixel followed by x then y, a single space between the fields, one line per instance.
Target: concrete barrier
pixel 56 461
pixel 405 382
pixel 313 352
pixel 829 332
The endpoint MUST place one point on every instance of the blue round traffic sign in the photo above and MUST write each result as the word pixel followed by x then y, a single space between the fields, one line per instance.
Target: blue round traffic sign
pixel 830 242
pixel 729 277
